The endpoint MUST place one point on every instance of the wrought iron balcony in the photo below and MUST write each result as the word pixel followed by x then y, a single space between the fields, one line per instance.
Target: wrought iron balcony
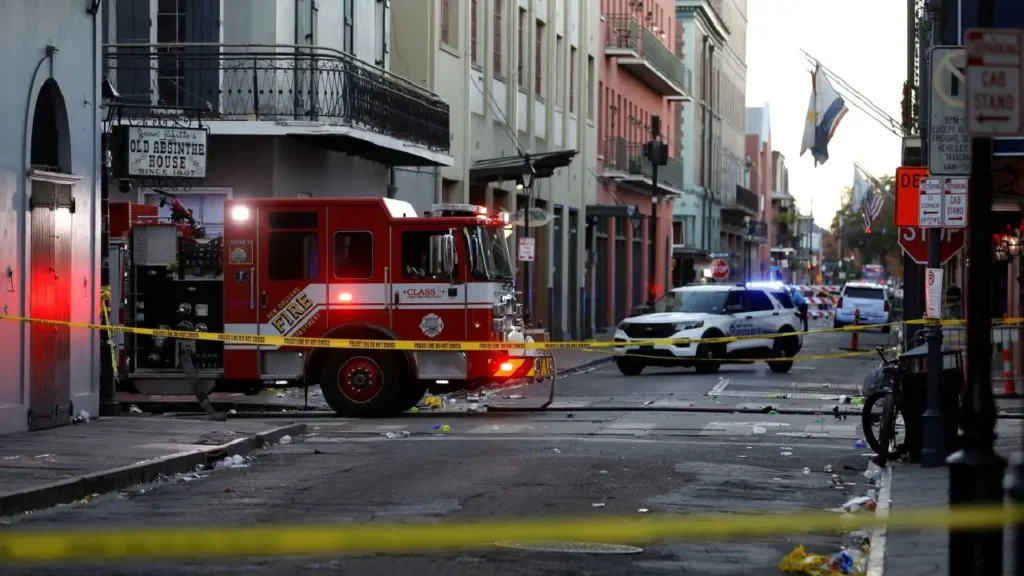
pixel 757 231
pixel 742 201
pixel 643 54
pixel 275 83
pixel 625 161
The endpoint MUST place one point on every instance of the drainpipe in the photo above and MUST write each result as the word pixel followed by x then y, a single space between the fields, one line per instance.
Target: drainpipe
pixel 392 182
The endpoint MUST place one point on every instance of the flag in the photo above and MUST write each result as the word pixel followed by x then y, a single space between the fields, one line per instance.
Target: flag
pixel 871 208
pixel 861 186
pixel 824 113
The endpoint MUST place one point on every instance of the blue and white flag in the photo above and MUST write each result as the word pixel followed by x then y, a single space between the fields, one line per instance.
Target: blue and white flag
pixel 824 113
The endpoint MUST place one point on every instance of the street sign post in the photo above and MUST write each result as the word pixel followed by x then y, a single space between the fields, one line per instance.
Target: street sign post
pixel 719 269
pixel 954 203
pixel 993 82
pixel 914 242
pixel 949 145
pixel 933 293
pixel 929 206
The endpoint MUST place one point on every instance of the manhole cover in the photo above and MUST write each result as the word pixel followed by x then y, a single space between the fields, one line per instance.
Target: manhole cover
pixel 572 547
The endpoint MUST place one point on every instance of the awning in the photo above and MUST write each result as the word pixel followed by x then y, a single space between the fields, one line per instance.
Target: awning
pixel 508 168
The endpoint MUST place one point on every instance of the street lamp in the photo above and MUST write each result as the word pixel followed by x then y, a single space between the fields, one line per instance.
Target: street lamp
pixel 525 182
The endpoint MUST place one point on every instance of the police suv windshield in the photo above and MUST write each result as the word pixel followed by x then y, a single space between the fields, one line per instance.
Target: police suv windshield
pixel 489 257
pixel 693 301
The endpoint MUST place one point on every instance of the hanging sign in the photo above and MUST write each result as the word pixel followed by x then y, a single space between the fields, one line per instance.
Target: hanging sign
pixel 156 152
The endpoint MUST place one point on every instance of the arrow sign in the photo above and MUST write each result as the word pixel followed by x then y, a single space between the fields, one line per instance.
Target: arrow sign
pixel 930 203
pixel 954 202
pixel 994 82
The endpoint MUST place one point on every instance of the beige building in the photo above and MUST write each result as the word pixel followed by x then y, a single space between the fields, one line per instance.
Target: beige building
pixel 519 76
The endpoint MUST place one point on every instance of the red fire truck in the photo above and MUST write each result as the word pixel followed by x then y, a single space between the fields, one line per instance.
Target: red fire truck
pixel 326 268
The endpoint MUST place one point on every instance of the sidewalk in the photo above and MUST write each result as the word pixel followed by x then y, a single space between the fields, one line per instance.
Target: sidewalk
pixel 926 553
pixel 50 467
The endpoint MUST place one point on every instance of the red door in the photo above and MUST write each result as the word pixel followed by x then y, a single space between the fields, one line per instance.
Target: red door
pixel 50 345
pixel 427 306
pixel 292 276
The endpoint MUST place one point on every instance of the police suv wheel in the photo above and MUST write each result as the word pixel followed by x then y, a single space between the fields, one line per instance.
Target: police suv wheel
pixel 629 367
pixel 361 383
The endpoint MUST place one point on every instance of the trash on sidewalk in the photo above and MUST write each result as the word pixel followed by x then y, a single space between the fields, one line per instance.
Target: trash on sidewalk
pixel 807 471
pixel 857 504
pixel 82 418
pixel 398 434
pixel 86 499
pixel 236 461
pixel 844 562
pixel 433 402
pixel 643 510
pixel 858 443
pixel 442 427
pixel 828 468
pixel 134 409
pixel 285 439
pixel 598 504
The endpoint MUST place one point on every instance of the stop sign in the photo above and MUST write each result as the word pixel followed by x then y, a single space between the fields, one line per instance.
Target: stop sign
pixel 719 269
pixel 914 242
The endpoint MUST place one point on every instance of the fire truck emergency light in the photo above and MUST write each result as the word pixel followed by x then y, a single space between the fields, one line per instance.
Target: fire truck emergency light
pixel 239 213
pixel 345 297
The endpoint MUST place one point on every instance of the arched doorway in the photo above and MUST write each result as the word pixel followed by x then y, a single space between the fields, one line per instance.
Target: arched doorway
pixel 51 202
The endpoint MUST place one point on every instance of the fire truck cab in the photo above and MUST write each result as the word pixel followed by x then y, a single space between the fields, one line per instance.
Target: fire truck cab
pixel 353 268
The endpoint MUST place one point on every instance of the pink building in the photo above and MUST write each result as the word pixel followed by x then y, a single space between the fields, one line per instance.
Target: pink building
pixel 642 78
pixel 760 232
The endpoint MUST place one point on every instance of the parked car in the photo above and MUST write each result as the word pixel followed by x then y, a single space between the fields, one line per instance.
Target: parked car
pixel 711 311
pixel 872 300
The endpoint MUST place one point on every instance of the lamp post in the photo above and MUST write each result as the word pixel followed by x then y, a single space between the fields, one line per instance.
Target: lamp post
pixel 108 392
pixel 525 183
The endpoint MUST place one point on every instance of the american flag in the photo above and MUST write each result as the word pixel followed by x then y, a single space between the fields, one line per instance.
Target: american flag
pixel 871 208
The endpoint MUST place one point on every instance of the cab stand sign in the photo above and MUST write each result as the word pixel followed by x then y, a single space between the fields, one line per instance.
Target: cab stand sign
pixel 163 152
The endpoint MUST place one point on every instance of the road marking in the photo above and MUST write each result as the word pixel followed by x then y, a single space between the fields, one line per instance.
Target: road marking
pixel 722 383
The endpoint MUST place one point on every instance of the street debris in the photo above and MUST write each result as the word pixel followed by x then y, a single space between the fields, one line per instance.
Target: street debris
pixel 515 396
pixel 807 471
pixel 442 427
pixel 82 418
pixel 86 499
pixel 397 434
pixel 232 411
pixel 858 443
pixel 837 414
pixel 556 450
pixel 286 439
pixel 433 402
pixel 854 505
pixel 758 430
pixel 570 415
pixel 845 562
pixel 134 409
pixel 787 453
pixel 598 504
pixel 643 510
pixel 828 468
pixel 229 462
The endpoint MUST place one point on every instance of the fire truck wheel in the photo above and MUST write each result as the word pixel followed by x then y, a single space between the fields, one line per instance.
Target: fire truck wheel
pixel 361 383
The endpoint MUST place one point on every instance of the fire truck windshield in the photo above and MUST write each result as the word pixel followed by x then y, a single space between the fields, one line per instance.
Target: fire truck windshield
pixel 488 253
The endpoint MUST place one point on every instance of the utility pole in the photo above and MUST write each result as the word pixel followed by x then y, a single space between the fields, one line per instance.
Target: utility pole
pixel 933 451
pixel 657 153
pixel 913 275
pixel 976 471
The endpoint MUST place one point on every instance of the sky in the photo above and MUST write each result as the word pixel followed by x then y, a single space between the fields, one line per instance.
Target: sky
pixel 862 41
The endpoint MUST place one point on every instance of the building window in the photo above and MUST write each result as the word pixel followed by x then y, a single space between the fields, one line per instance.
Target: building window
pixel 559 71
pixel 572 80
pixel 498 70
pixel 353 255
pixel 293 255
pixel 591 85
pixel 522 56
pixel 170 29
pixel 472 31
pixel 539 63
pixel 445 21
pixel 349 27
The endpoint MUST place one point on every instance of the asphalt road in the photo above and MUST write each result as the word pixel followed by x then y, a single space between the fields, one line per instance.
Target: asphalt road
pixel 570 464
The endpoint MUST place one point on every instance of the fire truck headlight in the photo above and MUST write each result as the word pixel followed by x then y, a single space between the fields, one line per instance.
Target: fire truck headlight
pixel 240 213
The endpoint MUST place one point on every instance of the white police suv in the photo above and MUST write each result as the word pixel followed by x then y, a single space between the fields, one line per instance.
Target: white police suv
pixel 712 311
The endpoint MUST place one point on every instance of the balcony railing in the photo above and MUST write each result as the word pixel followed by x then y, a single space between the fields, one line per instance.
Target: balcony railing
pixel 757 230
pixel 275 83
pixel 747 199
pixel 662 59
pixel 627 39
pixel 628 158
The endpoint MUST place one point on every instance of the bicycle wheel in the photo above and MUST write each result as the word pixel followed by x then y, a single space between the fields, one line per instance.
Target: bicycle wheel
pixel 880 407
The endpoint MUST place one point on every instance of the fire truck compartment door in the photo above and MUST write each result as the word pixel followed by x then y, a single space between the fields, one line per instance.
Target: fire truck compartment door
pixel 427 305
pixel 292 264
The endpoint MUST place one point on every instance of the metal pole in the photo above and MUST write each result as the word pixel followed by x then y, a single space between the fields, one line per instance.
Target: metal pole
pixel 108 392
pixel 933 451
pixel 527 286
pixel 654 156
pixel 976 471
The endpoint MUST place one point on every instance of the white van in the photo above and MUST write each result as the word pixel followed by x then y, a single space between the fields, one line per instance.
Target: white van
pixel 871 299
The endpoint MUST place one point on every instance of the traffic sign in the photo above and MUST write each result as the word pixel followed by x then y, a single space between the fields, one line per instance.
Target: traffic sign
pixel 527 249
pixel 929 204
pixel 908 188
pixel 933 293
pixel 993 82
pixel 954 203
pixel 914 242
pixel 949 145
pixel 719 269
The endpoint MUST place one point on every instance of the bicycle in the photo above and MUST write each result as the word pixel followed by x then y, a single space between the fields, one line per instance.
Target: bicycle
pixel 891 397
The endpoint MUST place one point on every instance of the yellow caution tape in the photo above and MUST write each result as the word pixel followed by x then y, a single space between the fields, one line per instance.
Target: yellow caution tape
pixel 141 544
pixel 105 297
pixel 426 345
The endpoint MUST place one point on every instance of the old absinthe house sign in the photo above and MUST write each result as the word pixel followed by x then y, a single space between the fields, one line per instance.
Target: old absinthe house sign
pixel 157 152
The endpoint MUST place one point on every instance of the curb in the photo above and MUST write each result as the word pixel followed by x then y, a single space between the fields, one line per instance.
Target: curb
pixel 105 481
pixel 876 557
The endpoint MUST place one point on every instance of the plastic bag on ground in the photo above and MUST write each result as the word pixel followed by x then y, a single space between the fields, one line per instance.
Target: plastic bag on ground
pixel 844 563
pixel 874 380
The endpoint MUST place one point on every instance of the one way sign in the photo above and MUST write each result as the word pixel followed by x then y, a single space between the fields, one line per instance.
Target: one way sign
pixel 994 82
